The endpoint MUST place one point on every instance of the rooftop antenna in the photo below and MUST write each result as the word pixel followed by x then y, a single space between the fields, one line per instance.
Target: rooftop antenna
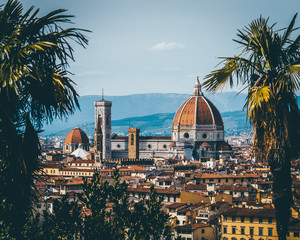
pixel 102 94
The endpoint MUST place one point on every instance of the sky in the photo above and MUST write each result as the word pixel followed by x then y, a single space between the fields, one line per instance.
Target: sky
pixel 158 46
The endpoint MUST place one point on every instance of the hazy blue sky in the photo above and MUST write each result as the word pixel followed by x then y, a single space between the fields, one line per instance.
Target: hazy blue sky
pixel 140 46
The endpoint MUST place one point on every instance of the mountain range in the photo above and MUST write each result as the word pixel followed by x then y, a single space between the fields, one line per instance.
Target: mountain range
pixel 152 112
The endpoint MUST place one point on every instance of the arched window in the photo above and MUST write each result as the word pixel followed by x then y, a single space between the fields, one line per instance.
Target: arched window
pixel 131 139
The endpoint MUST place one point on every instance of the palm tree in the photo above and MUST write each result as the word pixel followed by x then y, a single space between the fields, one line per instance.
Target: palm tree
pixel 269 68
pixel 34 88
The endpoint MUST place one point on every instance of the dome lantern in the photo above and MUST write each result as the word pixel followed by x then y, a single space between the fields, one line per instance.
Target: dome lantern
pixel 197 88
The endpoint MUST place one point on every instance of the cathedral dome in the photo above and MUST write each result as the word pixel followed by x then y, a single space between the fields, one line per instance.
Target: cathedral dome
pixel 197 110
pixel 76 136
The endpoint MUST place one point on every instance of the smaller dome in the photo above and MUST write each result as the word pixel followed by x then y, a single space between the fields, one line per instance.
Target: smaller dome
pixel 205 144
pixel 76 136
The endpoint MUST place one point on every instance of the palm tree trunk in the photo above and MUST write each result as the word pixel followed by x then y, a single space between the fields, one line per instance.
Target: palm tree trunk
pixel 282 194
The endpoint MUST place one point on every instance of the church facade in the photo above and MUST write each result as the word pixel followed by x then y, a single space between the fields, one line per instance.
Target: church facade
pixel 197 132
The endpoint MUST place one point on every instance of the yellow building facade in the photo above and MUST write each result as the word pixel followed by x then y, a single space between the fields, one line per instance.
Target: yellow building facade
pixel 244 223
pixel 255 224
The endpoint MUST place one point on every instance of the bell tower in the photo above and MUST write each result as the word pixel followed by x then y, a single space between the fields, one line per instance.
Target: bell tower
pixel 102 136
pixel 133 143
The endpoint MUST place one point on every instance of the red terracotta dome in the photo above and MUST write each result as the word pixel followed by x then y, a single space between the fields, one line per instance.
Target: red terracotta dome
pixel 76 136
pixel 197 110
pixel 205 144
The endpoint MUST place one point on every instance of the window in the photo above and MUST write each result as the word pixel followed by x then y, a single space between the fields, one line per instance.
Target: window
pixel 186 135
pixel 233 230
pixel 203 231
pixel 270 231
pixel 260 220
pixel 243 230
pixel 251 231
pixel 260 231
pixel 164 146
pixel 224 229
pixel 131 139
pixel 251 219
pixel 242 219
pixel 270 220
pixel 233 219
pixel 296 234
pixel 204 135
pixel 149 146
pixel 225 218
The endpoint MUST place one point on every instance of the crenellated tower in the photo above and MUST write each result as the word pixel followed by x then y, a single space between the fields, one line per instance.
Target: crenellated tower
pixel 133 143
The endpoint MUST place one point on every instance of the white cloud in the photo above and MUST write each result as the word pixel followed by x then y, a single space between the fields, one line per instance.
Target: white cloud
pixel 165 46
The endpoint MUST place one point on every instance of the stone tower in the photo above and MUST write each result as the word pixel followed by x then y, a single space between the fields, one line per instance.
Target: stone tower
pixel 102 135
pixel 133 143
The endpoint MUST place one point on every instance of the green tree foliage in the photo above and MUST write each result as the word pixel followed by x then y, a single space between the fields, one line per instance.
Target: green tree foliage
pixel 153 220
pixel 269 67
pixel 142 220
pixel 64 223
pixel 34 87
pixel 102 212
pixel 97 225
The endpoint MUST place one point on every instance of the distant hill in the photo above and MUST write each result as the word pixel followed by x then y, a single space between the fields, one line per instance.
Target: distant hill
pixel 137 105
pixel 161 124
pixel 152 112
